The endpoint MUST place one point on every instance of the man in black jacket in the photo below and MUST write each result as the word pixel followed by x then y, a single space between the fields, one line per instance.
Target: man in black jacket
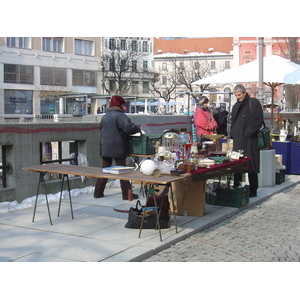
pixel 246 120
pixel 115 128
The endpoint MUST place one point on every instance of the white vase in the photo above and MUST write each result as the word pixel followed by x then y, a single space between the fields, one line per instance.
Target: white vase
pixel 282 135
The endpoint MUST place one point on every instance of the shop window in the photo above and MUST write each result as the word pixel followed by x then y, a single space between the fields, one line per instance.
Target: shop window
pixel 49 105
pixel 17 101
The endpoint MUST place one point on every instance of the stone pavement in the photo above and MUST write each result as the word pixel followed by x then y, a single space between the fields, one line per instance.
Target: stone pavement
pixel 269 232
pixel 98 234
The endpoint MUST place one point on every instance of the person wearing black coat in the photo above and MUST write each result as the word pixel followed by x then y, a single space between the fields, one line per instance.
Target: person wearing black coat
pixel 246 120
pixel 115 128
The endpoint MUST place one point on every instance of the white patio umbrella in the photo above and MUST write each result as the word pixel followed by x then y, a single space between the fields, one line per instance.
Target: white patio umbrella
pixel 276 71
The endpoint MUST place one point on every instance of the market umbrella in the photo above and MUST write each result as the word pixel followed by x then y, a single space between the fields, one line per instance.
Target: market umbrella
pixel 276 71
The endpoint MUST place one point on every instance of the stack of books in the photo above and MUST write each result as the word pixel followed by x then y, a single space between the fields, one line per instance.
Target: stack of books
pixel 118 170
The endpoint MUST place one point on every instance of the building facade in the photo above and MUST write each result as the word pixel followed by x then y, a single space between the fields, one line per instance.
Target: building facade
pixel 44 76
pixel 182 61
pixel 127 65
pixel 38 73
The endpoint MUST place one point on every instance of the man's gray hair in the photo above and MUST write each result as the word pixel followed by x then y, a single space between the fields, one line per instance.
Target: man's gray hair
pixel 239 88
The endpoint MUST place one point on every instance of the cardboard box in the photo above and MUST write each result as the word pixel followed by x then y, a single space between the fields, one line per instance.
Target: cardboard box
pixel 189 197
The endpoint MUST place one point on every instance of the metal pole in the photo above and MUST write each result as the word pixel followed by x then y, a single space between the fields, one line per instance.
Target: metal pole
pixel 261 69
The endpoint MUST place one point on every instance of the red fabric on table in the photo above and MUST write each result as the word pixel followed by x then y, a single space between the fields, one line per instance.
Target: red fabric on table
pixel 245 163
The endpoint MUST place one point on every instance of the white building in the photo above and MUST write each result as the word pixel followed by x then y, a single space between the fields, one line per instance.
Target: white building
pixel 197 58
pixel 36 71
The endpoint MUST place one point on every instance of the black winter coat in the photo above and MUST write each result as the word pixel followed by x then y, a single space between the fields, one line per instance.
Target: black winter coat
pixel 115 128
pixel 245 123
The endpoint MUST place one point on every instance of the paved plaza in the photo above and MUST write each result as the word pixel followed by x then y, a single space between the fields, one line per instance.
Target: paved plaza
pixel 268 232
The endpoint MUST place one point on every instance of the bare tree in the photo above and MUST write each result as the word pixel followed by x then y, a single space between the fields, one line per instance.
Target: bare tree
pixel 289 46
pixel 122 70
pixel 164 86
pixel 190 71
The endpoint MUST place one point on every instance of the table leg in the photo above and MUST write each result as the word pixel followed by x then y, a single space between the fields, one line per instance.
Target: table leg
pixel 41 180
pixel 174 214
pixel 150 189
pixel 62 185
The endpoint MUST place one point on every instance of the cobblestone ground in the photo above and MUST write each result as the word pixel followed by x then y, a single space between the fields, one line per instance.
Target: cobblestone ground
pixel 268 232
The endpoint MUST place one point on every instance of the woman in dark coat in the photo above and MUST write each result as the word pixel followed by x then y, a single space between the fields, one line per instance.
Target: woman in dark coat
pixel 115 128
pixel 246 120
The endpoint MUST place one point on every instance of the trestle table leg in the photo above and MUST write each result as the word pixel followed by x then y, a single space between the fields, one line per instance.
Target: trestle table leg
pixel 41 181
pixel 60 198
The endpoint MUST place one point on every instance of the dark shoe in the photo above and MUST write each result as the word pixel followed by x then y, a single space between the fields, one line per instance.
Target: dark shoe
pixel 98 196
pixel 252 194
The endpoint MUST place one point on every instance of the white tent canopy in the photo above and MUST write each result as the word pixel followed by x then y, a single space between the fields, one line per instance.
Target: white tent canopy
pixel 276 69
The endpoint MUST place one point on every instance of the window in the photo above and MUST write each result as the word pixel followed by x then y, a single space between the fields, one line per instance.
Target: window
pixel 84 47
pixel 112 44
pixel 89 78
pixel 197 65
pixel 49 105
pixel 123 65
pixel 135 87
pixel 62 152
pixel 145 46
pixel 111 64
pixel 84 78
pixel 145 87
pixel 18 74
pixel 53 44
pixel 164 79
pixel 164 66
pixel 227 64
pixel 212 64
pixel 123 44
pixel 145 65
pixel 53 76
pixel 181 65
pixel 17 101
pixel 134 65
pixel 112 85
pixel 134 46
pixel 18 42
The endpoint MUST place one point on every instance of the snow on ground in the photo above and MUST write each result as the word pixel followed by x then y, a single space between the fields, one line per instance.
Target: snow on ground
pixel 29 202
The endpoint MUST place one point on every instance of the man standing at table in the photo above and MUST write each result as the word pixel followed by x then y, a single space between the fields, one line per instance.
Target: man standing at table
pixel 115 128
pixel 246 120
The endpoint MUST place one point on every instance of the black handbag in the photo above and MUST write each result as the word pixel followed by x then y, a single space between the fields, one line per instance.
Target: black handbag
pixel 135 216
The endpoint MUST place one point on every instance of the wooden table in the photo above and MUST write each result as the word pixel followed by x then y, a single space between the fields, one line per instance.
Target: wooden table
pixel 189 191
pixel 94 172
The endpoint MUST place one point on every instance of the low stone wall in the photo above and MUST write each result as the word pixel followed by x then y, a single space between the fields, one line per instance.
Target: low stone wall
pixel 22 144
